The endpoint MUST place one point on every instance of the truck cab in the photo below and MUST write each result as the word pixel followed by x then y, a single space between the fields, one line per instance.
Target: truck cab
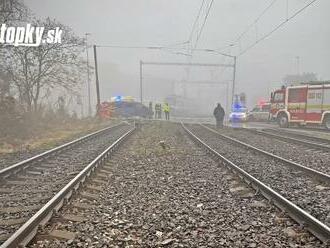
pixel 303 104
pixel 277 105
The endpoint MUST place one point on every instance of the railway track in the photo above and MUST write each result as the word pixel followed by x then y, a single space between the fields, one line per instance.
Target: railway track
pixel 131 196
pixel 298 138
pixel 293 188
pixel 317 129
pixel 307 157
pixel 31 190
pixel 22 165
pixel 172 196
pixel 26 153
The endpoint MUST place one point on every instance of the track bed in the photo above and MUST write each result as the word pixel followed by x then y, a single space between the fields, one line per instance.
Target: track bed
pixel 162 190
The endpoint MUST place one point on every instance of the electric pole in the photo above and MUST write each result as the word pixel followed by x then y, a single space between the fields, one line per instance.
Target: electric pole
pixel 141 90
pixel 298 65
pixel 88 79
pixel 234 80
pixel 97 82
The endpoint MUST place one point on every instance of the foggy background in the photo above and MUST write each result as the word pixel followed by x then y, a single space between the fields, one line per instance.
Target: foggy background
pixel 169 23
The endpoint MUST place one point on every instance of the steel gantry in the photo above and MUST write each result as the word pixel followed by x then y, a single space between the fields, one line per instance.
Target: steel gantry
pixel 142 63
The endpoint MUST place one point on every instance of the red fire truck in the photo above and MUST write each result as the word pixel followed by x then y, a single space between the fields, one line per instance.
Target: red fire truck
pixel 302 104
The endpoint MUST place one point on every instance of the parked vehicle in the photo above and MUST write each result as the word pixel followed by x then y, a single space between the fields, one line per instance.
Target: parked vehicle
pixel 303 104
pixel 259 113
pixel 124 107
pixel 238 115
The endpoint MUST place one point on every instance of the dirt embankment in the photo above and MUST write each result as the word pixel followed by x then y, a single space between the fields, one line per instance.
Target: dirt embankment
pixel 16 149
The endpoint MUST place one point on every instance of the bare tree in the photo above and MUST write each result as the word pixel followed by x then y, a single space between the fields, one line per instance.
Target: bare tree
pixel 35 71
pixel 4 85
pixel 13 11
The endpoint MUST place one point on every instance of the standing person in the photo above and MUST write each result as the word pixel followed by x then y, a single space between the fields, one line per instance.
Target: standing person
pixel 156 110
pixel 219 114
pixel 166 110
pixel 159 111
pixel 151 113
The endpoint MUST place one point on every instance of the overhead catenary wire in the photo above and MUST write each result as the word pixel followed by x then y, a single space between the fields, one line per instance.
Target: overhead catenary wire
pixel 256 20
pixel 193 44
pixel 169 47
pixel 205 19
pixel 195 22
pixel 277 27
pixel 178 44
pixel 191 35
pixel 131 47
pixel 165 48
pixel 199 32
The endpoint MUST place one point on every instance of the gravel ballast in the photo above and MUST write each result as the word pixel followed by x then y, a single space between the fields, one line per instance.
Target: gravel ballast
pixel 164 191
pixel 298 187
pixel 312 158
pixel 28 192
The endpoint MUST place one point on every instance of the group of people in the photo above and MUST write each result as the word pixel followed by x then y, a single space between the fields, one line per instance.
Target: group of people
pixel 219 112
pixel 159 110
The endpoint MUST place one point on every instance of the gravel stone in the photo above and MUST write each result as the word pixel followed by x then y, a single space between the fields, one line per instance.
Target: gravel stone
pixel 291 183
pixel 35 190
pixel 153 197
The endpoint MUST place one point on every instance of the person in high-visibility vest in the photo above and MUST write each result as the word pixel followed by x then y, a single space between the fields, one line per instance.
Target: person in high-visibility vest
pixel 166 110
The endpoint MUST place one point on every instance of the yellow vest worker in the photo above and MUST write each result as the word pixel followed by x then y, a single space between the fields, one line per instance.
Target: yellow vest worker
pixel 166 109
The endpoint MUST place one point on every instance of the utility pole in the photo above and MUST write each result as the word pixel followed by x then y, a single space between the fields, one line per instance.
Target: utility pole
pixel 234 80
pixel 141 97
pixel 97 82
pixel 234 72
pixel 298 65
pixel 227 101
pixel 88 79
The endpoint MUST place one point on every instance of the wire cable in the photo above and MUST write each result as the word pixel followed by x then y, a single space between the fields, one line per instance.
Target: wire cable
pixel 255 21
pixel 277 27
pixel 205 19
pixel 196 20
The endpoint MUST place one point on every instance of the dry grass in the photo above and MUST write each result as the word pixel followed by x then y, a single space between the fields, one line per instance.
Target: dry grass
pixel 52 136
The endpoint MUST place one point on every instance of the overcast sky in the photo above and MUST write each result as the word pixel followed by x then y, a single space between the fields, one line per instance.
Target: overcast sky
pixel 168 22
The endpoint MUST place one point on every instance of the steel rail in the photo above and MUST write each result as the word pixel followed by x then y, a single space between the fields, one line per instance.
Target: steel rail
pixel 316 227
pixel 317 129
pixel 22 165
pixel 305 137
pixel 28 230
pixel 291 139
pixel 319 175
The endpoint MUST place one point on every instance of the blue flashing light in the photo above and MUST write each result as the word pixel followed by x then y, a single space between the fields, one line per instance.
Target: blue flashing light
pixel 118 98
pixel 237 107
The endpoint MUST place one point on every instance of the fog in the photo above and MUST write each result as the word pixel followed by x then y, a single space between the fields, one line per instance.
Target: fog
pixel 169 23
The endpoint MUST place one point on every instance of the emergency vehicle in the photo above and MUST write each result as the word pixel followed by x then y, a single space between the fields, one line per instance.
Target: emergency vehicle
pixel 122 106
pixel 302 104
pixel 260 112
pixel 239 112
